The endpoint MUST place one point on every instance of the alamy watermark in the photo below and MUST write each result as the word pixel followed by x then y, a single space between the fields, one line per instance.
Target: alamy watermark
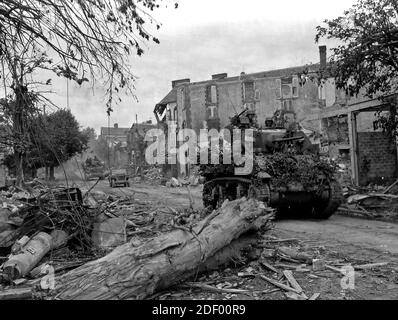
pixel 185 147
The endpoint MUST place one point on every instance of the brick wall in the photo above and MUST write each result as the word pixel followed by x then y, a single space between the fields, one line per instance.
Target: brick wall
pixel 377 158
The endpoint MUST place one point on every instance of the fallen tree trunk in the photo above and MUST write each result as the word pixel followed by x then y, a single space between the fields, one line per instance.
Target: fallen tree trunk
pixel 139 272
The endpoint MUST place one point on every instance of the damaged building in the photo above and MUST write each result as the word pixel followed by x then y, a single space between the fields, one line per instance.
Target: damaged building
pixel 136 144
pixel 342 125
pixel 116 139
pixel 349 135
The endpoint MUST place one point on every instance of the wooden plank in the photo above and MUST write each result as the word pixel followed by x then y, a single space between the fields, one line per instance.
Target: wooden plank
pixel 278 284
pixel 314 296
pixel 268 266
pixel 16 294
pixel 294 254
pixel 333 268
pixel 370 265
pixel 207 287
pixel 289 276
pixel 390 187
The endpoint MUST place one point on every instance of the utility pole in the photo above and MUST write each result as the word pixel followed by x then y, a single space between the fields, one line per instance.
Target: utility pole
pixel 107 143
pixel 67 94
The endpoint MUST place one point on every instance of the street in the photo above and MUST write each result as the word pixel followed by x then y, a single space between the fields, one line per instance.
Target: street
pixel 339 229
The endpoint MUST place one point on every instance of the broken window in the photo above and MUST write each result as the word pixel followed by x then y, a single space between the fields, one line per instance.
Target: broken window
pixel 278 88
pixel 248 91
pixel 175 114
pixel 257 94
pixel 211 94
pixel 295 87
pixel 322 91
pixel 286 91
pixel 287 87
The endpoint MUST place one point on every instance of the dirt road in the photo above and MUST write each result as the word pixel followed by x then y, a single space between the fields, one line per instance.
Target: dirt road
pixel 338 230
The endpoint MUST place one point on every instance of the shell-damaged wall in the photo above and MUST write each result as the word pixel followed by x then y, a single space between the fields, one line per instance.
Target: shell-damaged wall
pixel 204 104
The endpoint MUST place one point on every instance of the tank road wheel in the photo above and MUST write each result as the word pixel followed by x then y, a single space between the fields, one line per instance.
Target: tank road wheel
pixel 216 192
pixel 334 201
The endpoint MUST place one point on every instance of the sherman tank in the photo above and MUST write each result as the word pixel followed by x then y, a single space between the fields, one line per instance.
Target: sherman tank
pixel 288 173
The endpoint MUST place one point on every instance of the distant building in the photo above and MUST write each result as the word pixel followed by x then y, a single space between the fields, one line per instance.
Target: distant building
pixel 136 144
pixel 116 139
pixel 114 134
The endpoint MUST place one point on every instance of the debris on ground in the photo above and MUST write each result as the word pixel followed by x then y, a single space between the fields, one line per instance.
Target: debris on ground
pixel 271 276
pixel 153 173
pixel 373 202
pixel 173 183
pixel 47 233
pixel 172 257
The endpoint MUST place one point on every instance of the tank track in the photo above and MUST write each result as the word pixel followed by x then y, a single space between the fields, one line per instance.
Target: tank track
pixel 335 200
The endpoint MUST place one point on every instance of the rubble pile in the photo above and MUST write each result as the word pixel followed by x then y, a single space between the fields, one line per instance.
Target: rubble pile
pixel 59 229
pixel 373 201
pixel 279 269
pixel 153 174
pixel 25 213
pixel 132 218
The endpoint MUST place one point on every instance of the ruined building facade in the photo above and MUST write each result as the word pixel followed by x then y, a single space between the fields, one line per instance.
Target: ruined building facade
pixel 342 124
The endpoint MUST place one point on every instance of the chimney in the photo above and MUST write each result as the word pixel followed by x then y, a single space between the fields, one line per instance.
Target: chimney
pixel 116 126
pixel 322 57
pixel 219 76
pixel 177 82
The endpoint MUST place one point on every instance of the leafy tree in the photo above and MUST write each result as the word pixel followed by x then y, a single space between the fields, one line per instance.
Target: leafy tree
pixel 52 140
pixel 14 137
pixel 366 59
pixel 60 139
pixel 90 39
pixel 101 149
pixel 90 133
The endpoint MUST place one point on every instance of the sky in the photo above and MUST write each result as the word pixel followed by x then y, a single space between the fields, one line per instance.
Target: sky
pixel 205 37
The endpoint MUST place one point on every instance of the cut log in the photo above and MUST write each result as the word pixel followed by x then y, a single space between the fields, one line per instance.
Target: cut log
pixel 139 272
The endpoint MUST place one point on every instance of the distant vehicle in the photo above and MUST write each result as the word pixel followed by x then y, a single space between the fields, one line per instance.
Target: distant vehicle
pixel 118 177
pixel 93 168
